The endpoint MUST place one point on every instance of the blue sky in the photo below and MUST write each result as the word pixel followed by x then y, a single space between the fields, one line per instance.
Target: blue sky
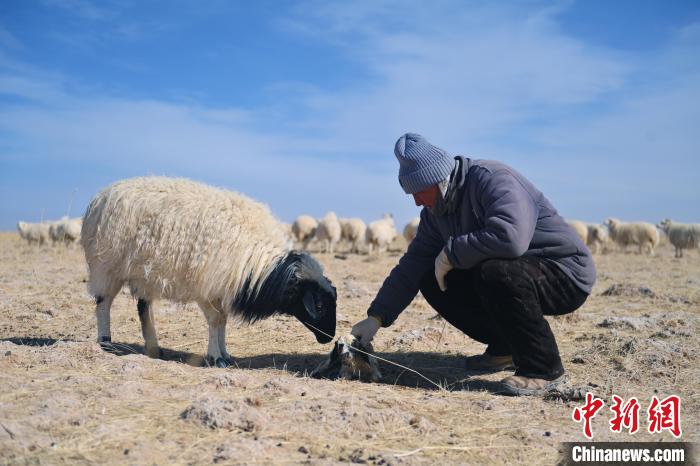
pixel 298 104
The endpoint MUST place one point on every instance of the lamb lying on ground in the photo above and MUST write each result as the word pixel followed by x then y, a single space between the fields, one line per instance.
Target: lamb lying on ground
pixel 349 360
pixel 185 241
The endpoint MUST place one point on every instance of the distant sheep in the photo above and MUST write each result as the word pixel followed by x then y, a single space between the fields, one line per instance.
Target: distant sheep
pixel 33 232
pixel 681 235
pixel 287 228
pixel 304 229
pixel 596 237
pixel 53 232
pixel 411 228
pixel 329 231
pixel 641 234
pixel 591 234
pixel 380 234
pixel 184 241
pixel 65 230
pixel 580 228
pixel 353 231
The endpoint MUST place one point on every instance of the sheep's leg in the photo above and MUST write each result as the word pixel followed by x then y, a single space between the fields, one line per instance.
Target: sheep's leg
pixel 103 301
pixel 214 320
pixel 222 338
pixel 148 329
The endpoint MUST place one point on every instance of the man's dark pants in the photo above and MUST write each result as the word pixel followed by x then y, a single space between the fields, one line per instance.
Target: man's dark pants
pixel 502 302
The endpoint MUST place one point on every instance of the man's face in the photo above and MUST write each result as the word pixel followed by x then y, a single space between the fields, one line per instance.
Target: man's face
pixel 428 197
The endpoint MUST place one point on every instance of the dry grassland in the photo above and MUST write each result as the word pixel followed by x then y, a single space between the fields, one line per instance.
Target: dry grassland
pixel 66 401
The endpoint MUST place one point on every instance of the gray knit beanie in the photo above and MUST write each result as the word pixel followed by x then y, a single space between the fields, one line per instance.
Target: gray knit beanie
pixel 421 164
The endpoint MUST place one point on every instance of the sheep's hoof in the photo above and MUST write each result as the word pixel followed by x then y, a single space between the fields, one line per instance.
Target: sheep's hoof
pixel 155 353
pixel 219 362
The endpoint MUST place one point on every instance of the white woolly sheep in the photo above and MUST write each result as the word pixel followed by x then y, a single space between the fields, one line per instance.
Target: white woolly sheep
pixel 66 230
pixel 681 235
pixel 580 228
pixel 53 232
pixel 329 231
pixel 185 241
pixel 304 229
pixel 643 235
pixel 596 237
pixel 33 232
pixel 410 230
pixel 380 234
pixel 353 231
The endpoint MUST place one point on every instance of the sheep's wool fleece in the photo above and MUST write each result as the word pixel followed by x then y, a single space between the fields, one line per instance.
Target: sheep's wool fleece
pixel 180 240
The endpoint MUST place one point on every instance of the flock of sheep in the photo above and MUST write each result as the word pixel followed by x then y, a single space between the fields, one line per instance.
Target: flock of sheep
pixel 642 235
pixel 330 230
pixel 64 231
pixel 378 235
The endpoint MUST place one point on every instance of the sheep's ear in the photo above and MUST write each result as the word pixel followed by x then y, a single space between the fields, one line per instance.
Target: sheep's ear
pixel 310 304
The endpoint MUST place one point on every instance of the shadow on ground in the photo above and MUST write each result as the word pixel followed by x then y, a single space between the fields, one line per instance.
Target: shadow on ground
pixel 422 370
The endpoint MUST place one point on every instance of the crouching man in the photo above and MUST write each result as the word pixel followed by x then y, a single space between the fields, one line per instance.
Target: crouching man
pixel 493 257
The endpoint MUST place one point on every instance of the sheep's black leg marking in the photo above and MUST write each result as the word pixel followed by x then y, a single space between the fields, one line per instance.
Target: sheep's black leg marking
pixel 142 307
pixel 148 329
pixel 99 299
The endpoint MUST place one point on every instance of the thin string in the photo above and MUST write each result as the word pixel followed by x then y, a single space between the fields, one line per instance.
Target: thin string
pixel 380 358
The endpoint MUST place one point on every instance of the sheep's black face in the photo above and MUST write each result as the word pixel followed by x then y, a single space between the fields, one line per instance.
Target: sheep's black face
pixel 314 306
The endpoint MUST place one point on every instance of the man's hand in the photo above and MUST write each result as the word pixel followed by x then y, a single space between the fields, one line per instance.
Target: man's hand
pixel 442 266
pixel 365 330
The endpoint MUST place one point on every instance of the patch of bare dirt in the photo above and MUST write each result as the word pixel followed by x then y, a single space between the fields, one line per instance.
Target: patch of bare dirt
pixel 216 413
